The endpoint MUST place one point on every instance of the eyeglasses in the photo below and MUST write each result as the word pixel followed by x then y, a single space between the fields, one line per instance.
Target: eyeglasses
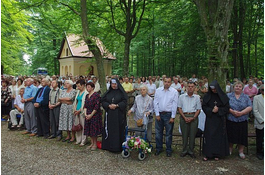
pixel 262 89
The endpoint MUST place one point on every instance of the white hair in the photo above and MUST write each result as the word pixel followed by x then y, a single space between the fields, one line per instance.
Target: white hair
pixel 46 79
pixel 69 81
pixel 144 86
pixel 31 79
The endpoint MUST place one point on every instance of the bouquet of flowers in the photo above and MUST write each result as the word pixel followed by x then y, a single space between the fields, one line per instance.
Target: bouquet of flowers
pixel 136 143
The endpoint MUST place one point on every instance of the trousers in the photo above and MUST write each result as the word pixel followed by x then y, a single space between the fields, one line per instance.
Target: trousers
pixel 188 131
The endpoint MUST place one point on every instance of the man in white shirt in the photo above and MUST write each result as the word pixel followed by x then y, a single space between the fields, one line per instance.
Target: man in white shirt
pixel 176 85
pixel 165 105
pixel 193 78
pixel 189 107
pixel 19 109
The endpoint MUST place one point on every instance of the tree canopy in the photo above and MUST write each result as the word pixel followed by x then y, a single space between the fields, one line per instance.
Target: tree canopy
pixel 167 37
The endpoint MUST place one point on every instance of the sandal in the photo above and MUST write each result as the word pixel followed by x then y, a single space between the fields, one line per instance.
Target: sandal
pixel 89 147
pixel 205 159
pixel 242 155
pixel 93 148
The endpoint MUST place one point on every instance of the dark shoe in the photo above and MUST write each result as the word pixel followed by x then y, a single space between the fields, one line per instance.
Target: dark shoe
pixel 64 140
pixel 260 157
pixel 157 153
pixel 51 137
pixel 59 138
pixel 183 154
pixel 71 141
pixel 192 156
pixel 46 137
pixel 169 154
pixel 39 135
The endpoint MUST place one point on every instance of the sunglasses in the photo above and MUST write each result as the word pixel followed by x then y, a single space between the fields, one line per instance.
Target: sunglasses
pixel 262 89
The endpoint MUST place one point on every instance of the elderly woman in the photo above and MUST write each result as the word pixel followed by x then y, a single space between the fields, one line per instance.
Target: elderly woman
pixel 79 111
pixel 93 120
pixel 143 106
pixel 6 99
pixel 66 112
pixel 114 102
pixel 237 120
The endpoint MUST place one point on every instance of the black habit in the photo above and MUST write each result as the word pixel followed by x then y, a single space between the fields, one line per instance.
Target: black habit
pixel 115 120
pixel 215 136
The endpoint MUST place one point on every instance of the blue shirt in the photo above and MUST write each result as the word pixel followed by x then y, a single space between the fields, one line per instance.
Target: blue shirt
pixel 79 101
pixel 39 99
pixel 30 91
pixel 238 104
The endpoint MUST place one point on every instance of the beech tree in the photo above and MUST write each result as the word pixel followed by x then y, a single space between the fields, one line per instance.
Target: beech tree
pixel 132 23
pixel 215 18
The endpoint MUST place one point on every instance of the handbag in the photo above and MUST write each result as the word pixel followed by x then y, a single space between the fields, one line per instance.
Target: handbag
pixel 140 122
pixel 77 127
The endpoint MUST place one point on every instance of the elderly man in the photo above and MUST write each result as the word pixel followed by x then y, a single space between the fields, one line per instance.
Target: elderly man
pixel 54 106
pixel 41 102
pixel 165 105
pixel 189 107
pixel 29 115
pixel 258 112
pixel 127 86
pixel 176 85
pixel 19 109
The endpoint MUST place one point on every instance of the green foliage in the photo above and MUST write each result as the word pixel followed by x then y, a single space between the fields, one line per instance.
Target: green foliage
pixel 170 41
pixel 15 37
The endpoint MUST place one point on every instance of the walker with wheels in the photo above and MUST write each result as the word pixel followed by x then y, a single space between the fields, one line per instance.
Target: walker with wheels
pixel 136 142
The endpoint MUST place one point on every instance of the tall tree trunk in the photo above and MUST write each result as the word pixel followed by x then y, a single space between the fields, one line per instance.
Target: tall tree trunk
pixel 92 45
pixel 240 39
pixel 132 64
pixel 215 19
pixel 132 22
pixel 55 58
pixel 126 56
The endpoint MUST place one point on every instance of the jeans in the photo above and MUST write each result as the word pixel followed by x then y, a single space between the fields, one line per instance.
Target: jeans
pixel 159 127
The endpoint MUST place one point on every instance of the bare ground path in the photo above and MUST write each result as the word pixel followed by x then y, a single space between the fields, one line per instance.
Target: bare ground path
pixel 24 155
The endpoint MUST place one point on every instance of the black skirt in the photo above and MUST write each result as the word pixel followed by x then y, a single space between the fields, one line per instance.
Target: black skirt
pixel 237 132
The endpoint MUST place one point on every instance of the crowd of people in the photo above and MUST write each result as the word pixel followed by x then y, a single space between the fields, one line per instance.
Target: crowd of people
pixel 48 106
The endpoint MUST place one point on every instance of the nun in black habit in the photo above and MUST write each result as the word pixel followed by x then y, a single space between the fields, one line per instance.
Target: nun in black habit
pixel 216 107
pixel 114 101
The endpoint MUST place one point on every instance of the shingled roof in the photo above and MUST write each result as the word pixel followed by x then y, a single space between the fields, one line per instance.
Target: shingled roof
pixel 78 47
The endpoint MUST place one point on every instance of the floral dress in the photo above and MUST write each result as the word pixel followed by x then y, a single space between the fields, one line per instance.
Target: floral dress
pixel 5 94
pixel 93 127
pixel 66 111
